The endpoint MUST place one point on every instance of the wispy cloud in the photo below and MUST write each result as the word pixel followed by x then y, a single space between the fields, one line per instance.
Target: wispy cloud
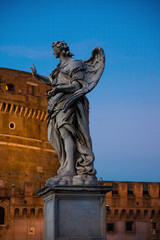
pixel 23 51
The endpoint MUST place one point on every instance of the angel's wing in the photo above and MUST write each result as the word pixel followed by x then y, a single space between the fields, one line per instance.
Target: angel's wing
pixel 94 67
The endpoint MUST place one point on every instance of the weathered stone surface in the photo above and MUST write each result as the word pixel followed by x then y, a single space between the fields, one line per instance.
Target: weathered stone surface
pixel 69 180
pixel 74 212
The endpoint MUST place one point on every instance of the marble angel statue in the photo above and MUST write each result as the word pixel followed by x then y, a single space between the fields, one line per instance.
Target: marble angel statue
pixel 67 113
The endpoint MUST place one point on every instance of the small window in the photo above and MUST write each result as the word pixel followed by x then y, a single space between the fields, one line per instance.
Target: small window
pixel 10 87
pixel 145 194
pixel 108 213
pixel 145 213
pixel 110 227
pixel 145 190
pixel 3 106
pixel 14 107
pixel 129 226
pixel 12 125
pixel 24 212
pixel 2 214
pixel 16 213
pixel 9 106
pixel 32 212
pixel 123 214
pixel 115 189
pixel 154 225
pixel 138 213
pixel 130 191
pixel 131 213
pixel 31 90
pixel 116 213
pixel 152 213
pixel 40 213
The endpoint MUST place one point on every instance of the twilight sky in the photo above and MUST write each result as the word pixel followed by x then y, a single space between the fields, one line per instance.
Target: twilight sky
pixel 125 105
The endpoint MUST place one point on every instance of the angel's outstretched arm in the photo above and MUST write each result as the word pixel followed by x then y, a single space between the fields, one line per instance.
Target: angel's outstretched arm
pixel 41 78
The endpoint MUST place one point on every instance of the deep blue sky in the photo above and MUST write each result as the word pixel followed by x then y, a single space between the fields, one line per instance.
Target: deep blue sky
pixel 125 105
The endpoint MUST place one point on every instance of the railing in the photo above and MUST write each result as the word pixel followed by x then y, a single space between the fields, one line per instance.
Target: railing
pixel 23 111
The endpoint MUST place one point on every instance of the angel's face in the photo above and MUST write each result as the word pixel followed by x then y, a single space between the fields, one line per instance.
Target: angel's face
pixel 56 51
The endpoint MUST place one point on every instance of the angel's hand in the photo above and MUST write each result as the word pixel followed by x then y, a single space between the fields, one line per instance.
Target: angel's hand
pixel 51 93
pixel 81 91
pixel 34 71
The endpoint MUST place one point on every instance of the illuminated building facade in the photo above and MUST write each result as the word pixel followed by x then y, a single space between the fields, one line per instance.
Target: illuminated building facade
pixel 26 157
pixel 133 211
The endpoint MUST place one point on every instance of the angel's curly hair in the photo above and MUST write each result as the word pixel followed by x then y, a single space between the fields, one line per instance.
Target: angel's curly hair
pixel 64 48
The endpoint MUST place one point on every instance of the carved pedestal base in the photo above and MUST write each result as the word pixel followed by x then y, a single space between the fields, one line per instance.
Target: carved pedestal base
pixel 72 180
pixel 74 212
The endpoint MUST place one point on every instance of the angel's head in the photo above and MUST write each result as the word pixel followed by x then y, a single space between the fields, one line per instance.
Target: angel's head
pixel 60 47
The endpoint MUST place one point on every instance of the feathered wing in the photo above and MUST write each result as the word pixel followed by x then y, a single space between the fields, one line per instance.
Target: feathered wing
pixel 94 67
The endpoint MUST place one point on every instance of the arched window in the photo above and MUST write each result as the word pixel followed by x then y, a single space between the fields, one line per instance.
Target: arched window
pixel 152 213
pixel 145 213
pixel 24 213
pixel 116 213
pixel 32 212
pixel 131 213
pixel 40 213
pixel 16 212
pixel 109 213
pixel 2 215
pixel 123 213
pixel 138 213
pixel 10 87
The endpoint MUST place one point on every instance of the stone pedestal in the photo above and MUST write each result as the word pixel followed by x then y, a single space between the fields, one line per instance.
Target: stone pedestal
pixel 74 212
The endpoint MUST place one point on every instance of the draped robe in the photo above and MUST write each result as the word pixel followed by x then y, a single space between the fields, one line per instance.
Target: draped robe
pixel 75 120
